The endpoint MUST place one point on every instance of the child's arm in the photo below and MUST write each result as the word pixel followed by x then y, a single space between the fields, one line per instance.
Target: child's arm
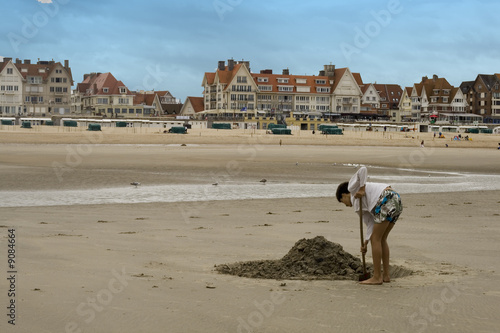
pixel 358 181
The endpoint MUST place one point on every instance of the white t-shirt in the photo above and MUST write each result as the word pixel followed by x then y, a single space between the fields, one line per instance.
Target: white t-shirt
pixel 373 192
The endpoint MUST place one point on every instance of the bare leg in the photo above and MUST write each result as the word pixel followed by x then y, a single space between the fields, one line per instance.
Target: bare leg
pixel 385 254
pixel 379 230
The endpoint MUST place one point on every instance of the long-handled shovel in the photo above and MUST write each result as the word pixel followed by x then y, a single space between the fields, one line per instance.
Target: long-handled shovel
pixel 365 275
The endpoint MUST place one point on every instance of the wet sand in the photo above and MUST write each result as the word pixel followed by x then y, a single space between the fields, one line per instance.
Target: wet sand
pixel 150 267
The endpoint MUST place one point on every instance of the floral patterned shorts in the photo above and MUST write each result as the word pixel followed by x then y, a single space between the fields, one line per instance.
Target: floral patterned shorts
pixel 388 207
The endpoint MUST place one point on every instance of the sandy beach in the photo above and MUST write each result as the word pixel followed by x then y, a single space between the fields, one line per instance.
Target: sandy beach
pixel 149 266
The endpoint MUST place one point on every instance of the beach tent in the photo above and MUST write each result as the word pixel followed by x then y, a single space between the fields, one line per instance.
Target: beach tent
pixel 49 123
pixel 325 126
pixel 177 129
pixel 272 125
pixel 282 131
pixel 221 126
pixel 334 131
pixel 25 124
pixel 121 124
pixel 94 127
pixel 7 122
pixel 70 123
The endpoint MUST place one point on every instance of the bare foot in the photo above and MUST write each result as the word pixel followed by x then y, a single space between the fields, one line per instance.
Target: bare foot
pixel 372 281
pixel 387 279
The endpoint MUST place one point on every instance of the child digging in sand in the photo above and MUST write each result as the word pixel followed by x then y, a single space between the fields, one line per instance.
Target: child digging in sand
pixel 381 209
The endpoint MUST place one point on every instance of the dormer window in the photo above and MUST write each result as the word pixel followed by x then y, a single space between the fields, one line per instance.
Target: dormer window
pixel 41 70
pixel 105 90
pixel 282 80
pixel 123 90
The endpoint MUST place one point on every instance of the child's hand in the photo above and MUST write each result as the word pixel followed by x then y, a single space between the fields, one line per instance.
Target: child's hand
pixel 364 248
pixel 360 193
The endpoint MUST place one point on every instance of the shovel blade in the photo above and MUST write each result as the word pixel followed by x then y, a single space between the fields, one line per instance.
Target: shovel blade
pixel 365 276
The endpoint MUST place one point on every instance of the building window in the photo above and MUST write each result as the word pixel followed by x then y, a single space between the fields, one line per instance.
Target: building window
pixel 320 81
pixel 241 88
pixel 282 80
pixel 58 100
pixel 10 71
pixel 262 79
pixel 265 88
pixel 301 81
pixel 302 99
pixel 123 90
pixel 241 79
pixel 285 88
pixel 122 100
pixel 322 89
pixel 322 100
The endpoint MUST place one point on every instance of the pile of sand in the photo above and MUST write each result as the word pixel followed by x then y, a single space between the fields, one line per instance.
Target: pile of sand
pixel 308 259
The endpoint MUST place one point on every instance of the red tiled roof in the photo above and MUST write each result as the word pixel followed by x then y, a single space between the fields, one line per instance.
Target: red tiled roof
pixel 197 103
pixel 358 79
pixel 364 88
pixel 2 65
pixel 43 70
pixel 310 81
pixel 390 92
pixel 436 83
pixel 226 77
pixel 146 99
pixel 98 81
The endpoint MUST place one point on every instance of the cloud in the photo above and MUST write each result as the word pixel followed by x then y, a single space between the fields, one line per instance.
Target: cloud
pixel 44 1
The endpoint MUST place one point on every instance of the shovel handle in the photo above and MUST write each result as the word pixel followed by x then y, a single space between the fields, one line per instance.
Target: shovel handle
pixel 361 231
pixel 361 220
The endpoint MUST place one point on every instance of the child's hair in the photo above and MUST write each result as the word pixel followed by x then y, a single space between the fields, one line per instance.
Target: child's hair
pixel 341 190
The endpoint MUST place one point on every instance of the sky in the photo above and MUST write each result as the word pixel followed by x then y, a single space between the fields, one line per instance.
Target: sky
pixel 169 45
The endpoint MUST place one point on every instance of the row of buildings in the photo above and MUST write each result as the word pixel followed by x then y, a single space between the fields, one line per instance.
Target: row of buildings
pixel 233 91
pixel 340 93
pixel 44 89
